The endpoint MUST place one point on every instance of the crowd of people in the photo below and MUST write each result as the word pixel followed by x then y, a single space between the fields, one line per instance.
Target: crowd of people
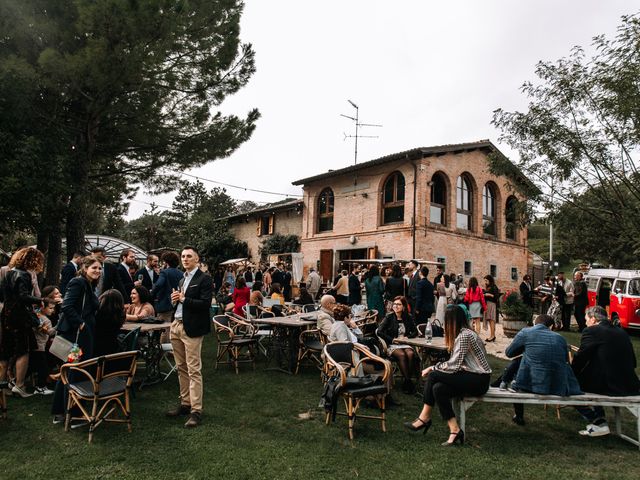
pixel 96 297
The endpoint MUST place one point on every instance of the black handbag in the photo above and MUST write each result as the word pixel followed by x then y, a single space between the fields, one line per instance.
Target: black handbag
pixel 436 328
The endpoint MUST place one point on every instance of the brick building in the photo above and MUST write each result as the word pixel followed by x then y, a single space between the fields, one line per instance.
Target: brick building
pixel 253 227
pixel 437 203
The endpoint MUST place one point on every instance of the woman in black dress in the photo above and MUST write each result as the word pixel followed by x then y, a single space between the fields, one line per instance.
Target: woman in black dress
pixel 18 319
pixel 395 286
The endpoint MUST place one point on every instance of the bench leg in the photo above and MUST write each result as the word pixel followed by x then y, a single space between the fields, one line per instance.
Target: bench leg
pixel 463 416
pixel 618 420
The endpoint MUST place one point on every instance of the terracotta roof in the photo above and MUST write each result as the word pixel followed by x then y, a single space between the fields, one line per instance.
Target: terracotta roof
pixel 412 154
pixel 287 203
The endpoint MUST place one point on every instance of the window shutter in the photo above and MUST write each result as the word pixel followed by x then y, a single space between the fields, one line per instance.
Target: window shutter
pixel 271 222
pixel 259 229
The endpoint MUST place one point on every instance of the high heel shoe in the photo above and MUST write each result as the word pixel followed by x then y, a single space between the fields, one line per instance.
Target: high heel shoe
pixel 459 437
pixel 492 339
pixel 423 425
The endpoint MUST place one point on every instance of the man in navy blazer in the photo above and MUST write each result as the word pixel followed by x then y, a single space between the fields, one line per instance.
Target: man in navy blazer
pixel 149 273
pixel 69 271
pixel 544 368
pixel 191 322
pixel 127 260
pixel 413 285
pixel 168 281
pixel 424 297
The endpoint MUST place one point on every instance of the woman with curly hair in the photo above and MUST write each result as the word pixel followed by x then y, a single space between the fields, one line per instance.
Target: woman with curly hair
pixel 17 318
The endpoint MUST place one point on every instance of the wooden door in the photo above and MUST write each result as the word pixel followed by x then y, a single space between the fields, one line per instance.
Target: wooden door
pixel 326 265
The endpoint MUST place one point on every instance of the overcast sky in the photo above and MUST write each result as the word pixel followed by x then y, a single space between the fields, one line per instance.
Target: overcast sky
pixel 430 72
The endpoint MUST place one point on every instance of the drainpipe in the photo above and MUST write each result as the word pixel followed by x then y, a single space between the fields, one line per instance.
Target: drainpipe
pixel 413 221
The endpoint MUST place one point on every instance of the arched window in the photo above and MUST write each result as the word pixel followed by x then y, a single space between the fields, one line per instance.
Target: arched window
pixel 489 210
pixel 325 210
pixel 438 207
pixel 393 199
pixel 464 204
pixel 511 218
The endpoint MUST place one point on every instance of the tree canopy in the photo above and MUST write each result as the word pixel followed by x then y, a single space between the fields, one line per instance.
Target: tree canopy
pixel 579 138
pixel 99 97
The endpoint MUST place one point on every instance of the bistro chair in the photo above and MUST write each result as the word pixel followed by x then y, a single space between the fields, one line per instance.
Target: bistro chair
pixel 129 341
pixel 309 308
pixel 99 387
pixel 264 331
pixel 310 345
pixel 342 361
pixel 251 312
pixel 234 335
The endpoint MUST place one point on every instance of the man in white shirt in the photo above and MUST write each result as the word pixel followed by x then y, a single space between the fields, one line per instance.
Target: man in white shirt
pixel 313 283
pixel 149 273
pixel 191 323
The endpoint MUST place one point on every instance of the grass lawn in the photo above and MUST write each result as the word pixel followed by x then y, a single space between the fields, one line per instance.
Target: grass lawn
pixel 251 430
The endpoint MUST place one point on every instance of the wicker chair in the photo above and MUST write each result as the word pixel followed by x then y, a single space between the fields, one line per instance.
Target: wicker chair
pixel 234 335
pixel 311 343
pixel 343 358
pixel 99 387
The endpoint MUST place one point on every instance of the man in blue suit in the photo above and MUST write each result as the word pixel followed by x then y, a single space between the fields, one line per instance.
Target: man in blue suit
pixel 544 368
pixel 168 280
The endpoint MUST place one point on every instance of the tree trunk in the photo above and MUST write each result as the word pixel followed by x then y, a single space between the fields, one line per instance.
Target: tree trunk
pixel 54 256
pixel 80 199
pixel 76 223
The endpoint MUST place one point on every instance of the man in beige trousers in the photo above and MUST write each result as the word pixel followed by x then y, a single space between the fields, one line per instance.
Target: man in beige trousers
pixel 190 323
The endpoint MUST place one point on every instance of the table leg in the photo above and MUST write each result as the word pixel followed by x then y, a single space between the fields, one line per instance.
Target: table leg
pixel 152 354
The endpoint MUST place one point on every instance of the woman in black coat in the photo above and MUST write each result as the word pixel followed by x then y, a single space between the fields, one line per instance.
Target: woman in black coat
pixel 396 324
pixel 78 320
pixel 17 318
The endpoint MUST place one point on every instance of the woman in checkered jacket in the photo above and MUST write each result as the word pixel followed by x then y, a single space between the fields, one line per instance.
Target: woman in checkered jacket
pixel 466 373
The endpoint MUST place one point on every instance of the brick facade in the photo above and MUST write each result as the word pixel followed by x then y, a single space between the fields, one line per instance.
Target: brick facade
pixel 358 214
pixel 246 227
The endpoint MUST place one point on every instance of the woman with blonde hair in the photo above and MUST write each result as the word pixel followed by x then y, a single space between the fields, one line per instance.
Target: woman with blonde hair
pixel 18 318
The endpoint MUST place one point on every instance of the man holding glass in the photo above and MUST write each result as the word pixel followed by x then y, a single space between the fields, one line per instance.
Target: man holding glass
pixel 191 322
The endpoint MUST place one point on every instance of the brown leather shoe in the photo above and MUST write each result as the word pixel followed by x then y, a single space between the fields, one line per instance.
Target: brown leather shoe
pixel 195 419
pixel 179 411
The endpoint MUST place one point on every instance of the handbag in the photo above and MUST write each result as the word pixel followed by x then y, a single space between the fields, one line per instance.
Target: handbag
pixel 436 328
pixel 63 348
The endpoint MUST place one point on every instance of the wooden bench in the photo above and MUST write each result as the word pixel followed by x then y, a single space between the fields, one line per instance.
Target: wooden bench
pixel 495 395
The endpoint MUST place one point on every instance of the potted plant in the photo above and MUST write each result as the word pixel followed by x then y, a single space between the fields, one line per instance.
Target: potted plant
pixel 516 314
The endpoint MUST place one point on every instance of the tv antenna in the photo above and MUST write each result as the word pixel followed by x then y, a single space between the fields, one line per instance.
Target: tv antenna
pixel 358 125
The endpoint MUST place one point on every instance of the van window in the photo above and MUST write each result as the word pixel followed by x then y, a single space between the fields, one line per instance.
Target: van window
pixel 592 283
pixel 634 287
pixel 620 285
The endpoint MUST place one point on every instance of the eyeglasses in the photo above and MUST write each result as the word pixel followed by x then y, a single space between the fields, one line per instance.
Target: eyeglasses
pixel 397 305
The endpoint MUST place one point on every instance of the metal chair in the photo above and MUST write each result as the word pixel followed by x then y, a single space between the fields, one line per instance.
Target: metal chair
pixel 99 387
pixel 341 360
pixel 167 350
